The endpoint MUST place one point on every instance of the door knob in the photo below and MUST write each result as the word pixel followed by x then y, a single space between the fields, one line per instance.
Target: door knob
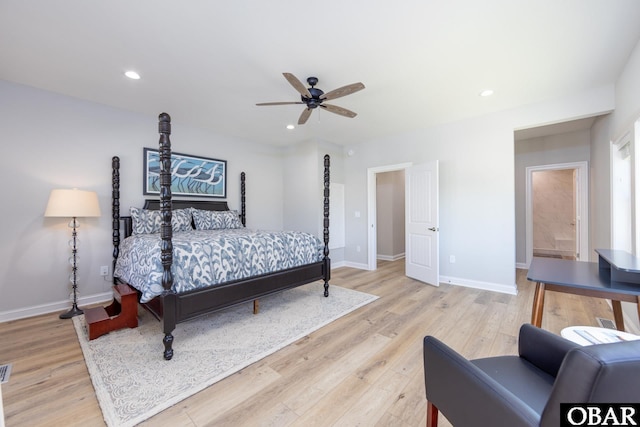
pixel 432 229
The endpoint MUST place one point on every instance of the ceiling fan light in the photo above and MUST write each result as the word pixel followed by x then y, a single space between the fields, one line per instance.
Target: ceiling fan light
pixel 291 127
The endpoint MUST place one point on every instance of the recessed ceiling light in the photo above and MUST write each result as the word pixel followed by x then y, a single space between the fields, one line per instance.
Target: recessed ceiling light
pixel 132 75
pixel 290 127
pixel 486 92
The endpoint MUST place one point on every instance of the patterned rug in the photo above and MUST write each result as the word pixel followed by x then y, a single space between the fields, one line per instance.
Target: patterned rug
pixel 133 382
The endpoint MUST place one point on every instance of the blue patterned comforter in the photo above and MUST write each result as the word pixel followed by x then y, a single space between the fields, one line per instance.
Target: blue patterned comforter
pixel 208 257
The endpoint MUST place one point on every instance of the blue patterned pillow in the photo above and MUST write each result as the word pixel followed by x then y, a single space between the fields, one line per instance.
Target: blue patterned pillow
pixel 181 220
pixel 232 219
pixel 215 220
pixel 147 221
pixel 207 220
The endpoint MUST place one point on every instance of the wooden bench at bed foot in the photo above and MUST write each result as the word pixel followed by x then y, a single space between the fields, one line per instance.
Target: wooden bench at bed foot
pixel 123 312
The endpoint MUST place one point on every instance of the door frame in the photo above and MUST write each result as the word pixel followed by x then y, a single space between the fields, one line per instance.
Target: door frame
pixel 615 205
pixel 582 206
pixel 622 225
pixel 372 237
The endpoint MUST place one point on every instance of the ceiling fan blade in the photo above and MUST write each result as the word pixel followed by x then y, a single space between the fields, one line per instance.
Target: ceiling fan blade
pixel 297 84
pixel 343 91
pixel 279 103
pixel 304 116
pixel 339 110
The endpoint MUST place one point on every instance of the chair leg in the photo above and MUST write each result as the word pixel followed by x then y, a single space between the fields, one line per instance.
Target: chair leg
pixel 432 415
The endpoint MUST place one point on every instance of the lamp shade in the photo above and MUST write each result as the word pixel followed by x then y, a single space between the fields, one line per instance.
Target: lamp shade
pixel 72 203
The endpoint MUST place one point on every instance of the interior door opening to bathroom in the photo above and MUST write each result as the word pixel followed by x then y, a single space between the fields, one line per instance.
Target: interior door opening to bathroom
pixel 557 204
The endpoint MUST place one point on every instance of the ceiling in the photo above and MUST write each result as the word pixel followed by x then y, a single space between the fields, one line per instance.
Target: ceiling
pixel 423 62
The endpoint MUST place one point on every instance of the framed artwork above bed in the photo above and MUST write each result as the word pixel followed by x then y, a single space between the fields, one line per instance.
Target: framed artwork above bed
pixel 190 175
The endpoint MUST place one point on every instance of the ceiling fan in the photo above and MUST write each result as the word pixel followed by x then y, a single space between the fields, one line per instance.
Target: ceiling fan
pixel 313 97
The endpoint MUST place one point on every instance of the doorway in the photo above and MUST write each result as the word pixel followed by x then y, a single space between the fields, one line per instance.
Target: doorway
pixel 372 215
pixel 390 215
pixel 557 210
pixel 554 214
pixel 421 219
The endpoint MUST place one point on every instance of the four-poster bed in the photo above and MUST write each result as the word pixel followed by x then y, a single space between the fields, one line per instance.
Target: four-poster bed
pixel 173 306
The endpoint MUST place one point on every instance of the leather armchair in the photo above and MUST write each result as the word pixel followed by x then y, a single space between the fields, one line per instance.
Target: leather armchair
pixel 527 389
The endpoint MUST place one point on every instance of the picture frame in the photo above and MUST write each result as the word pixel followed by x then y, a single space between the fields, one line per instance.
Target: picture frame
pixel 191 176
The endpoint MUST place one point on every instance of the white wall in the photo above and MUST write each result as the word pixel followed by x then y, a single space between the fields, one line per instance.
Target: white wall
pixel 600 186
pixel 303 189
pixel 301 172
pixel 604 131
pixel 53 141
pixel 627 95
pixel 477 200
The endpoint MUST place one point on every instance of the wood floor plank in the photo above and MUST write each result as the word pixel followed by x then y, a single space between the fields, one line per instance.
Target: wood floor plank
pixel 372 405
pixel 335 404
pixel 409 405
pixel 363 369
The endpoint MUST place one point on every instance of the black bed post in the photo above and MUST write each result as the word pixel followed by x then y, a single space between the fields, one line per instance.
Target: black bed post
pixel 327 261
pixel 243 206
pixel 115 210
pixel 166 234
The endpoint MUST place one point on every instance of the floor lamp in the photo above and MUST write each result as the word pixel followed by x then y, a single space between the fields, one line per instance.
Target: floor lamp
pixel 73 204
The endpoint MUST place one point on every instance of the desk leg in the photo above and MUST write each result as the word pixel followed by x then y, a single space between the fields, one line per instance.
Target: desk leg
pixel 538 305
pixel 617 314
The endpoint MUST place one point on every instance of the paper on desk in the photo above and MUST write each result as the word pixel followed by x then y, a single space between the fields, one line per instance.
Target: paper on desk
pixel 601 336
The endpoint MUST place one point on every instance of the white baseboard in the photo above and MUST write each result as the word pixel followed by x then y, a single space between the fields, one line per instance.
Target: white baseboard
pixel 37 310
pixel 357 265
pixel 522 265
pixel 486 286
pixel 390 257
pixel 338 264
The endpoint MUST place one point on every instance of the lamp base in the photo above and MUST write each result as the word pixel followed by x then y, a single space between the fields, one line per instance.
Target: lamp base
pixel 75 311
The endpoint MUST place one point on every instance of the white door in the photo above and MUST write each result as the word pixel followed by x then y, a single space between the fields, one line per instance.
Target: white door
pixel 421 211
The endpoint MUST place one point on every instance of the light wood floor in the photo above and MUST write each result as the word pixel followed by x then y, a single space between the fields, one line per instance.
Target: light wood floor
pixel 364 369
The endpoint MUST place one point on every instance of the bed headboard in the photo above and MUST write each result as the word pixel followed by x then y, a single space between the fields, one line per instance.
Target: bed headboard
pixel 209 205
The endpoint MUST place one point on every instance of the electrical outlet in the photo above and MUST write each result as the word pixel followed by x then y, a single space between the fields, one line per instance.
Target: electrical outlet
pixel 104 270
pixel 452 259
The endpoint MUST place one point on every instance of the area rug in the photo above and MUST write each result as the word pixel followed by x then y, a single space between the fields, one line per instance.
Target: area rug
pixel 133 382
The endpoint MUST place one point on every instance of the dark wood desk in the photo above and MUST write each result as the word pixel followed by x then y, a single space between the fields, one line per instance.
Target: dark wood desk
pixel 616 276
